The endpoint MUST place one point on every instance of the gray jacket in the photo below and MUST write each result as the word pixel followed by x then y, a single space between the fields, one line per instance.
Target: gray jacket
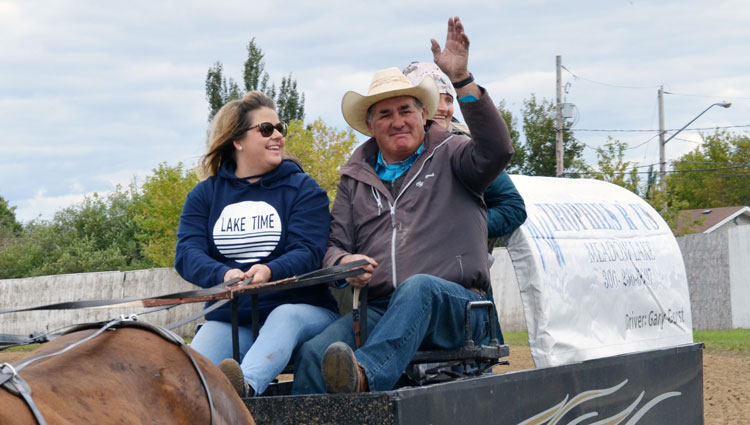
pixel 437 224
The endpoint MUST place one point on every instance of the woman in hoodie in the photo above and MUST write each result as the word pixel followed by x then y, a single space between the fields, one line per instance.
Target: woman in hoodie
pixel 255 214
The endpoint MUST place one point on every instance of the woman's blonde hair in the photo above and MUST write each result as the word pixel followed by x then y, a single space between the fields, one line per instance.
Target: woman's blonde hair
pixel 228 125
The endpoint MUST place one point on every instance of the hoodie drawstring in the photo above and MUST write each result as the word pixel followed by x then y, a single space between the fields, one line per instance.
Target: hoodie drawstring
pixel 376 195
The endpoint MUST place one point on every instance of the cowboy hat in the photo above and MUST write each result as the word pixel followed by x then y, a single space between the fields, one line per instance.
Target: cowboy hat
pixel 385 84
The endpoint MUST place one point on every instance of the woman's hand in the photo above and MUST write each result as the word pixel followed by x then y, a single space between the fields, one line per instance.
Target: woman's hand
pixel 260 273
pixel 234 273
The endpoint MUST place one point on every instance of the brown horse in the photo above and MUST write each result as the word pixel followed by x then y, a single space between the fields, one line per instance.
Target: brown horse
pixel 128 375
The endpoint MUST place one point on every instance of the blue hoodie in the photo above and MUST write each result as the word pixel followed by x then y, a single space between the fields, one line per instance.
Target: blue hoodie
pixel 281 221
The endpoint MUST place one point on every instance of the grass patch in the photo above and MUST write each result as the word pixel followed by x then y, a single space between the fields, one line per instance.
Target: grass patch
pixel 516 338
pixel 736 341
pixel 23 348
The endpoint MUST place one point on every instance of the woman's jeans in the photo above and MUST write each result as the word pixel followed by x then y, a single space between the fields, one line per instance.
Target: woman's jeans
pixel 424 311
pixel 285 329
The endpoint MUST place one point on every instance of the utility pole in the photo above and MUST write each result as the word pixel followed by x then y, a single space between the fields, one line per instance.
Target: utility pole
pixel 662 160
pixel 559 121
pixel 663 142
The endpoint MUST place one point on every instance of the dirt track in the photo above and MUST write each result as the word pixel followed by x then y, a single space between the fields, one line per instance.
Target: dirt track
pixel 726 383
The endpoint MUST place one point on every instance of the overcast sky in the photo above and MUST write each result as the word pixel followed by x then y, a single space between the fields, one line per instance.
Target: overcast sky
pixel 98 93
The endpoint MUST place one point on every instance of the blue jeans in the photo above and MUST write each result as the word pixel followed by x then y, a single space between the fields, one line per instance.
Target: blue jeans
pixel 424 312
pixel 285 329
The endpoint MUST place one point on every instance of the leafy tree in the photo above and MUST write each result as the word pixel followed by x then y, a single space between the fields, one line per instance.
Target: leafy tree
pixel 158 211
pixel 254 74
pixel 715 174
pixel 651 179
pixel 98 234
pixel 22 254
pixel 219 90
pixel 612 168
pixel 671 210
pixel 8 223
pixel 290 104
pixel 539 149
pixel 519 158
pixel 322 150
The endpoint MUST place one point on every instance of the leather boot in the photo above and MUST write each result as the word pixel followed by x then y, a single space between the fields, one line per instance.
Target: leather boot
pixel 341 371
pixel 233 372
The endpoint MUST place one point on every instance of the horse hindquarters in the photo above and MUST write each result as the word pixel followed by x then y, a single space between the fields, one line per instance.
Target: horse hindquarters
pixel 127 375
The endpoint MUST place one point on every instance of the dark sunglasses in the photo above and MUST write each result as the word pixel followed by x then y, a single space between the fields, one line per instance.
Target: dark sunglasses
pixel 266 128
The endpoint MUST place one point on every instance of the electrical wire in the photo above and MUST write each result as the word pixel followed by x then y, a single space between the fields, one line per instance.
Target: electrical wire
pixel 647 131
pixel 578 77
pixel 706 96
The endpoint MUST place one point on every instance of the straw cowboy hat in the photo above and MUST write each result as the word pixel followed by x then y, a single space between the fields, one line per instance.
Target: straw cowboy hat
pixel 385 84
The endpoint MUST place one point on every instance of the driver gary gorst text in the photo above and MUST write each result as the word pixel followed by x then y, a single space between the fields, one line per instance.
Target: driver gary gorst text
pixel 652 319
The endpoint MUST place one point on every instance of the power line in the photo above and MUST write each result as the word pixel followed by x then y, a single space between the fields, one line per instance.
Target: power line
pixel 647 131
pixel 709 162
pixel 578 77
pixel 706 96
pixel 641 144
pixel 705 170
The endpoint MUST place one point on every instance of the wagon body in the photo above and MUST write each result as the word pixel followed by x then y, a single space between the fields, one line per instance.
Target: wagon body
pixel 662 386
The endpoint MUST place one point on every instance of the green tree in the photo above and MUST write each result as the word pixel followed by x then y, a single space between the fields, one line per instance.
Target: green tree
pixel 158 211
pixel 8 223
pixel 254 74
pixel 519 158
pixel 97 234
pixel 321 150
pixel 613 168
pixel 21 254
pixel 290 103
pixel 671 210
pixel 715 174
pixel 539 148
pixel 219 90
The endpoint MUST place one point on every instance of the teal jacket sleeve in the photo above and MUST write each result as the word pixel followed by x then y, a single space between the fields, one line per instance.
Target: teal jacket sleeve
pixel 506 210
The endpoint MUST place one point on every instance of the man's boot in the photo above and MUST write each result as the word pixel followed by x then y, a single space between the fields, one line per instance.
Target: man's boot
pixel 341 371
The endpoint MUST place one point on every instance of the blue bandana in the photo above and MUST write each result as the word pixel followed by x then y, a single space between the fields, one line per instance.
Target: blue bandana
pixel 390 172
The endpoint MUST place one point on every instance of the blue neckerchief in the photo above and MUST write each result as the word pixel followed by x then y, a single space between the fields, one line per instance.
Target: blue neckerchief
pixel 390 172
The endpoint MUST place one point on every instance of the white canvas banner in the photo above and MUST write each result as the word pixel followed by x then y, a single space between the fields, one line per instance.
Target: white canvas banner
pixel 599 270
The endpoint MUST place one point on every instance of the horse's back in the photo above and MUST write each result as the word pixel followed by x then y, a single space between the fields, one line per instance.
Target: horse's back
pixel 127 375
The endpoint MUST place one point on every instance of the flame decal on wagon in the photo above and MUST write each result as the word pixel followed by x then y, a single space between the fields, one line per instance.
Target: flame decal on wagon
pixel 553 415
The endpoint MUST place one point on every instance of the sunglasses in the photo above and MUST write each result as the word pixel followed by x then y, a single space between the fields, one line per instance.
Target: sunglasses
pixel 266 128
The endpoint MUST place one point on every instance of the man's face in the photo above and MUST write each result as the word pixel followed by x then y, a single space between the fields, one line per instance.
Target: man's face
pixel 397 126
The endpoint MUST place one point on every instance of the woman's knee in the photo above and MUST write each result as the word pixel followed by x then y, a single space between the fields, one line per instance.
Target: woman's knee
pixel 285 311
pixel 301 316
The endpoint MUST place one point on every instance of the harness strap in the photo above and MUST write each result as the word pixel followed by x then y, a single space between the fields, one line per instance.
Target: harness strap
pixel 12 381
pixel 203 380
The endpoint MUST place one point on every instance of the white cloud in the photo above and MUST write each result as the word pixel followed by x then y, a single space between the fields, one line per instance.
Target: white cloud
pixel 44 207
pixel 94 93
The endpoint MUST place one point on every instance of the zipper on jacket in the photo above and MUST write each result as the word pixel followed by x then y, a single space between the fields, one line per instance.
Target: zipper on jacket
pixel 460 266
pixel 393 209
pixel 393 243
